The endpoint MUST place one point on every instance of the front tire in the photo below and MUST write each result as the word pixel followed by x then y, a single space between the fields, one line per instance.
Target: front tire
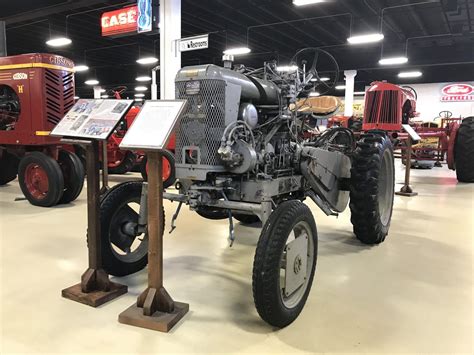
pixel 284 264
pixel 41 179
pixel 372 188
pixel 73 173
pixel 8 167
pixel 464 151
pixel 123 252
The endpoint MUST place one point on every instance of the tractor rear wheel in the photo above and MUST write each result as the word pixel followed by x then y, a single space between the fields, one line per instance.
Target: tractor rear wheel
pixel 124 163
pixel 124 246
pixel 464 151
pixel 8 167
pixel 73 173
pixel 372 188
pixel 168 168
pixel 285 263
pixel 41 179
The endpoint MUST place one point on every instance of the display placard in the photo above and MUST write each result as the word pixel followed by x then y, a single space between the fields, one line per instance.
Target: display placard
pixel 153 126
pixel 92 119
pixel 411 132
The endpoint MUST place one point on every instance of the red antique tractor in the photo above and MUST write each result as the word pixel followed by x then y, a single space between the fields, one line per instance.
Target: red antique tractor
pixel 388 106
pixel 36 91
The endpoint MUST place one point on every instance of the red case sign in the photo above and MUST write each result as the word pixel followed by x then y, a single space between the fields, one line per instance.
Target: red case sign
pixel 457 92
pixel 119 21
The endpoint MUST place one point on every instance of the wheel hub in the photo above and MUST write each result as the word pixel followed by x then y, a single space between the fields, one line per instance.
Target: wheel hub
pixel 296 261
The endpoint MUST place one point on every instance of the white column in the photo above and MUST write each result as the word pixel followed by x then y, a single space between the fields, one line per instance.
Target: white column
pixel 170 56
pixel 97 92
pixel 154 84
pixel 349 99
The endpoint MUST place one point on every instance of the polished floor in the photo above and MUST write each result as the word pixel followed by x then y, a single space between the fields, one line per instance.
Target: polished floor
pixel 412 294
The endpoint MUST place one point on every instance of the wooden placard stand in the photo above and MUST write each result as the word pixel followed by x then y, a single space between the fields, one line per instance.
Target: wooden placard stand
pixel 406 190
pixel 155 309
pixel 95 287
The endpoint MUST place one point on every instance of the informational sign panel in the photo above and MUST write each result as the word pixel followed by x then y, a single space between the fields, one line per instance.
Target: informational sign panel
pixel 153 126
pixel 194 43
pixel 92 119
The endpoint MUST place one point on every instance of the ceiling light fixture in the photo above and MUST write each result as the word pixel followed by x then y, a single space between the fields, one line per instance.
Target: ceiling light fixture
pixel 324 78
pixel 237 51
pixel 139 95
pixel 138 99
pixel 104 97
pixel 358 93
pixel 147 60
pixel 368 38
pixel 141 88
pixel 76 97
pixel 340 87
pixel 314 94
pixel 59 42
pixel 143 78
pixel 287 68
pixel 393 60
pixel 306 2
pixel 79 68
pixel 410 74
pixel 91 82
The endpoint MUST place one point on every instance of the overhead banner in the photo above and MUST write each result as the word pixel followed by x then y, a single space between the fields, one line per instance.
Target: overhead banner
pixel 194 43
pixel 119 22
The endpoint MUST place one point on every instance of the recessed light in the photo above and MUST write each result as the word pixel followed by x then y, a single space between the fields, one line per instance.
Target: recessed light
pixel 147 60
pixel 237 51
pixel 410 74
pixel 79 68
pixel 393 60
pixel 368 38
pixel 287 68
pixel 306 2
pixel 58 42
pixel 91 82
pixel 141 88
pixel 340 87
pixel 76 97
pixel 143 78
pixel 139 95
pixel 105 96
pixel 138 99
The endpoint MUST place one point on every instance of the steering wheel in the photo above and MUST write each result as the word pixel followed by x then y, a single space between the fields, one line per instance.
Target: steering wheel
pixel 412 90
pixel 445 114
pixel 312 73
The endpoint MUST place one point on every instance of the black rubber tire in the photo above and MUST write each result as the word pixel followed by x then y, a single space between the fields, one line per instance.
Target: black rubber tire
pixel 126 165
pixel 246 218
pixel 73 173
pixel 110 205
pixel 55 179
pixel 8 167
pixel 81 154
pixel 464 151
pixel 266 266
pixel 371 224
pixel 212 213
pixel 171 179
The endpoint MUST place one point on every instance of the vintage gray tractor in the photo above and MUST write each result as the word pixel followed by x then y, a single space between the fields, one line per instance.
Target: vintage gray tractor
pixel 245 151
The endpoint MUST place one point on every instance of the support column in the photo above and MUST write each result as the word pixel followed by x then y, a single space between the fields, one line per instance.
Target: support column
pixel 349 99
pixel 3 39
pixel 170 56
pixel 97 92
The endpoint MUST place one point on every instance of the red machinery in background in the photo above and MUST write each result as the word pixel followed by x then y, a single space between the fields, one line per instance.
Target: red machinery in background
pixel 36 91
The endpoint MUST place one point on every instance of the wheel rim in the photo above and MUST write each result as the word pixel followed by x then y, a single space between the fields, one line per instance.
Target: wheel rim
pixel 36 181
pixel 290 268
pixel 385 188
pixel 126 245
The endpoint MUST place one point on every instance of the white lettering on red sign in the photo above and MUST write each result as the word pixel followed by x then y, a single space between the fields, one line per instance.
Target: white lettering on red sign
pixel 119 21
pixel 457 92
pixel 20 76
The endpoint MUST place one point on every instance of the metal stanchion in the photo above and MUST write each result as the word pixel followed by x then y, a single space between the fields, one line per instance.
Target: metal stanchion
pixel 406 190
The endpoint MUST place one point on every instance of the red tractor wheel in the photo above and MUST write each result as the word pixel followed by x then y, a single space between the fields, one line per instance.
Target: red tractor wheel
pixel 41 179
pixel 8 167
pixel 73 173
pixel 168 169
pixel 123 162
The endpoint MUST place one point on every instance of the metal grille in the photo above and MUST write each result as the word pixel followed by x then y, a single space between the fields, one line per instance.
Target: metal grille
pixel 383 107
pixel 203 121
pixel 59 94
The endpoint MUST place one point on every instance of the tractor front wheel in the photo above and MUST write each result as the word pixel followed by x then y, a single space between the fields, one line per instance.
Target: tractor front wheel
pixel 73 173
pixel 168 169
pixel 285 263
pixel 41 179
pixel 464 151
pixel 8 167
pixel 372 188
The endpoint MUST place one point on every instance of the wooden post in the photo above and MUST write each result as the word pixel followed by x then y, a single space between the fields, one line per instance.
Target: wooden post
pixel 155 309
pixel 105 169
pixel 406 190
pixel 95 287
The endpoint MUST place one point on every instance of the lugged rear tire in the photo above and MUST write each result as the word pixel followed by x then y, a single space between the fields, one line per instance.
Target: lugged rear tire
pixel 464 151
pixel 372 188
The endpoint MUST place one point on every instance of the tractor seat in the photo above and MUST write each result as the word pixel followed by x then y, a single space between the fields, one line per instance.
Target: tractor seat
pixel 319 105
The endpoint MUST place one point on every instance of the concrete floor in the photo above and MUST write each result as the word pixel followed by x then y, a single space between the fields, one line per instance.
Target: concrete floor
pixel 412 294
